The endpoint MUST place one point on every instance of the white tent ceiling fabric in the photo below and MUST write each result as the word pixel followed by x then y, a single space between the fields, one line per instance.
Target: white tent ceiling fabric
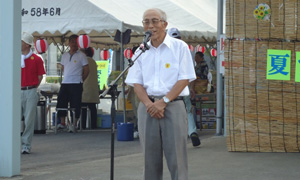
pixel 100 19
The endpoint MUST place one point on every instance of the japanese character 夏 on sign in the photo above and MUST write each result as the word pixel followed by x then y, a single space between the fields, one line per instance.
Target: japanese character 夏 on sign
pixel 279 64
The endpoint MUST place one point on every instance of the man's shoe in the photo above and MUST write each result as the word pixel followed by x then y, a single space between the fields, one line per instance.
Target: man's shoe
pixel 72 129
pixel 195 139
pixel 25 150
pixel 136 134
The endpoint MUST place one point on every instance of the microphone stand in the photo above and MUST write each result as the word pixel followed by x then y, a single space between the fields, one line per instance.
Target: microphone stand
pixel 112 91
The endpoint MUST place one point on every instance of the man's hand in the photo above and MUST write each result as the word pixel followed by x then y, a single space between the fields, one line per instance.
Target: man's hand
pixel 156 109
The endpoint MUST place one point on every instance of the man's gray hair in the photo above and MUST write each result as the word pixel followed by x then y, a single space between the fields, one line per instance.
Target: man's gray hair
pixel 163 15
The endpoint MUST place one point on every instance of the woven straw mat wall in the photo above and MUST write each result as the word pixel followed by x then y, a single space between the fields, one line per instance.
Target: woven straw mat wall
pixel 262 115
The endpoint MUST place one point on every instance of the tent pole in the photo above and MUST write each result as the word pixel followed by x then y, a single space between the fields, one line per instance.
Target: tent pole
pixel 123 77
pixel 219 117
pixel 107 34
pixel 61 51
pixel 10 76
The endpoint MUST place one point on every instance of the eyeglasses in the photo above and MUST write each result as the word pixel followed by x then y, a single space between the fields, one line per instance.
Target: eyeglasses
pixel 153 21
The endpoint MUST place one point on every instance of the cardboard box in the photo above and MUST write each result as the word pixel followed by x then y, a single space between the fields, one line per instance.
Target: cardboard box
pixel 204 125
pixel 208 125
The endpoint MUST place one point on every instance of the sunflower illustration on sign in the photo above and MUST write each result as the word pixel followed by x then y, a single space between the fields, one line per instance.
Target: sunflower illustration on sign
pixel 167 65
pixel 262 12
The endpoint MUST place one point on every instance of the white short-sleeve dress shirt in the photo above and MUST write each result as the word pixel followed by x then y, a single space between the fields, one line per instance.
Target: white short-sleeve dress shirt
pixel 158 69
pixel 73 67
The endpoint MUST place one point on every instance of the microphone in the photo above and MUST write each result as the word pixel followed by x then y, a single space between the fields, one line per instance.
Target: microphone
pixel 147 36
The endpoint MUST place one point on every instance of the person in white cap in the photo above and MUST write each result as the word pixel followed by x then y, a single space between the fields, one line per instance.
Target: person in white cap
pixel 174 32
pixel 192 130
pixel 160 78
pixel 32 71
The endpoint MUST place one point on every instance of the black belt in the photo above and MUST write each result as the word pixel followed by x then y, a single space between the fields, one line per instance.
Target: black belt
pixel 155 98
pixel 27 87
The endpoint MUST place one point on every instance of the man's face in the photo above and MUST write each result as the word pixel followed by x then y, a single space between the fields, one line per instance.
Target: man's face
pixel 198 58
pixel 153 22
pixel 24 46
pixel 73 44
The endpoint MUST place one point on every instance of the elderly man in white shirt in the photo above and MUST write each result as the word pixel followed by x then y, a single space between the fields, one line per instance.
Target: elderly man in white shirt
pixel 160 77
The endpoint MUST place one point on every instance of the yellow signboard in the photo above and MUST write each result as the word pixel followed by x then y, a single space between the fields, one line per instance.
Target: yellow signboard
pixel 102 70
pixel 279 64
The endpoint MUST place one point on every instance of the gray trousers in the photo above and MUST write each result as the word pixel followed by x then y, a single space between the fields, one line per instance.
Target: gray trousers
pixel 167 135
pixel 29 99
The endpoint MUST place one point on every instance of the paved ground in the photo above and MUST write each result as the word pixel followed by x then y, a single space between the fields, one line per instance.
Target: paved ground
pixel 86 156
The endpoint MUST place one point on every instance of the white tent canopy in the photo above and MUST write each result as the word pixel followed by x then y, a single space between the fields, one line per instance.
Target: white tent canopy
pixel 100 19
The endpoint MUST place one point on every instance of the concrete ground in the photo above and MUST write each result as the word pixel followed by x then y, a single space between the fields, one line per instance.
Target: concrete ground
pixel 86 156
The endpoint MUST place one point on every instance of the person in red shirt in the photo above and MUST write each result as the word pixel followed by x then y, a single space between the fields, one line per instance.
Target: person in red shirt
pixel 32 71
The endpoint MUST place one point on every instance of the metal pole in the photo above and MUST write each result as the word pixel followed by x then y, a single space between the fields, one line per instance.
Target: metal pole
pixel 219 75
pixel 123 77
pixel 224 132
pixel 10 76
pixel 113 115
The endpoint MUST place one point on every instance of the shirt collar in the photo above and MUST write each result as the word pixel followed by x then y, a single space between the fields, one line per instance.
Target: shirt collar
pixel 167 41
pixel 75 52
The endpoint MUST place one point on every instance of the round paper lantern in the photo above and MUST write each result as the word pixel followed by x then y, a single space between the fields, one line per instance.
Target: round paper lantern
pixel 213 52
pixel 83 41
pixel 41 46
pixel 128 53
pixel 191 47
pixel 200 48
pixel 104 54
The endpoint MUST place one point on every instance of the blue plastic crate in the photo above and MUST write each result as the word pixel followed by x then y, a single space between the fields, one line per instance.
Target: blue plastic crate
pixel 106 120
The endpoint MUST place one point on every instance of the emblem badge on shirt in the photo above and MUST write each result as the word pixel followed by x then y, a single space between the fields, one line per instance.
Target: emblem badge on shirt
pixel 167 65
pixel 75 61
pixel 32 58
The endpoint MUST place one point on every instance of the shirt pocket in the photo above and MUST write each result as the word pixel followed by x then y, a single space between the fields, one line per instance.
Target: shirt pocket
pixel 170 72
